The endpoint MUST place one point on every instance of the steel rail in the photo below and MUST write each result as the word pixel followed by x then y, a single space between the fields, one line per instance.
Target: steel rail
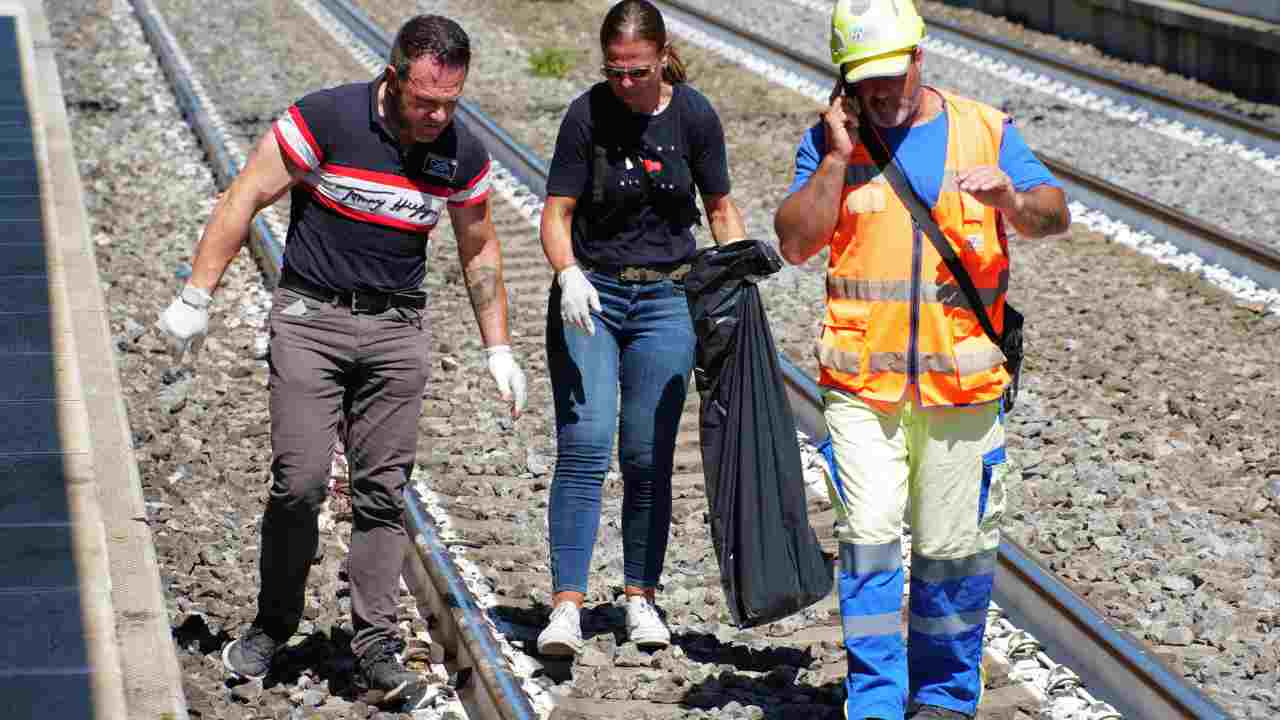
pixel 1231 126
pixel 1215 245
pixel 266 247
pixel 523 164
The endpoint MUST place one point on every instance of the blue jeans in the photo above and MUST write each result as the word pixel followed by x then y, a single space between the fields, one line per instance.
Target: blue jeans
pixel 643 344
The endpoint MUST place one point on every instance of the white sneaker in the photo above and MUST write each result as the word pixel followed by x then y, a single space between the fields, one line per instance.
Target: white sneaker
pixel 644 627
pixel 563 635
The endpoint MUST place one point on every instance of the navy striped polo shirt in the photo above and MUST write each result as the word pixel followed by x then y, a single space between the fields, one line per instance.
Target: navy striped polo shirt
pixel 362 216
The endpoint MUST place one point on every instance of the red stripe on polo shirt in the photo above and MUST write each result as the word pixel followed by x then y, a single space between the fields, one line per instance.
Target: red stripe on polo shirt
pixel 479 176
pixel 306 133
pixel 470 201
pixel 293 156
pixel 374 176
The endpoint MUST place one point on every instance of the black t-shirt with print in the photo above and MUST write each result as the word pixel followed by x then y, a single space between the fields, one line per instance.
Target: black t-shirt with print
pixel 641 211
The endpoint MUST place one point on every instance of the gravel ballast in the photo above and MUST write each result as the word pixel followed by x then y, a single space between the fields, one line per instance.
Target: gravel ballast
pixel 1146 466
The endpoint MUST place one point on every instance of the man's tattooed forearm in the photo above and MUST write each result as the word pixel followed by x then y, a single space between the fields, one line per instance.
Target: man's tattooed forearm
pixel 482 285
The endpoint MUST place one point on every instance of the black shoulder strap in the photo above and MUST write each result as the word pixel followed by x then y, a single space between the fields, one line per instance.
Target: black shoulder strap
pixel 924 220
pixel 599 155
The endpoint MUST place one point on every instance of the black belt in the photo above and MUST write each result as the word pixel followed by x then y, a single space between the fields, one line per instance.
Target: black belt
pixel 640 273
pixel 360 301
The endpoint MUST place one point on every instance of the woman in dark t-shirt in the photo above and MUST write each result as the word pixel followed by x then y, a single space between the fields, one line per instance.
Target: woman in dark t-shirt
pixel 632 154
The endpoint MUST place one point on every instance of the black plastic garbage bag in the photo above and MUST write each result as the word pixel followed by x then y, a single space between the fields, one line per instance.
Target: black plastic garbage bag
pixel 771 565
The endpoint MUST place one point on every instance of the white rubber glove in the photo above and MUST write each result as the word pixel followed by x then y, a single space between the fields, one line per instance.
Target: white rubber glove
pixel 510 378
pixel 186 320
pixel 577 299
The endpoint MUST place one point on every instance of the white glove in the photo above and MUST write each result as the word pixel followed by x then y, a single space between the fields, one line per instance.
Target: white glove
pixel 507 373
pixel 577 299
pixel 186 320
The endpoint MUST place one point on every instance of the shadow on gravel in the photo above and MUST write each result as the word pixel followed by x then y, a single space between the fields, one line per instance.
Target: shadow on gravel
pixel 327 656
pixel 791 676
pixel 704 648
pixel 323 655
pixel 194 636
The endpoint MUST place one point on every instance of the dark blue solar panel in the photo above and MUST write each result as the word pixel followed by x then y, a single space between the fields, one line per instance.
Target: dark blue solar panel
pixel 8 32
pixel 23 294
pixel 25 259
pixel 10 65
pixel 19 186
pixel 15 132
pixel 25 333
pixel 20 233
pixel 14 115
pixel 17 146
pixel 17 167
pixel 19 207
pixel 32 487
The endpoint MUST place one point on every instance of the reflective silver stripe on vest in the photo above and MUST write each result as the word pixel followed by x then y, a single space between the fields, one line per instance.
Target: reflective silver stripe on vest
pixel 867 559
pixel 843 288
pixel 948 294
pixel 860 626
pixel 887 362
pixel 988 358
pixel 947 624
pixel 934 570
pixel 968 363
pixel 841 360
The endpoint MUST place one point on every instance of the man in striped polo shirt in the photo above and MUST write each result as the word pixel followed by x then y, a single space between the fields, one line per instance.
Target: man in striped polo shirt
pixel 370 167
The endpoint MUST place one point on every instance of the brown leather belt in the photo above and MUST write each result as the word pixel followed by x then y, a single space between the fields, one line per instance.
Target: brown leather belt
pixel 360 301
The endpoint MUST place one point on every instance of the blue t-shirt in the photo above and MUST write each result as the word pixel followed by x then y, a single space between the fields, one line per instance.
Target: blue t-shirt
pixel 921 153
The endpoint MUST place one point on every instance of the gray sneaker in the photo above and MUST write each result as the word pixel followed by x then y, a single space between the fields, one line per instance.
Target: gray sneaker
pixel 249 656
pixel 387 681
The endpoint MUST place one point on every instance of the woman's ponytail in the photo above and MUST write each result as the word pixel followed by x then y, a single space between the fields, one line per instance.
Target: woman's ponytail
pixel 674 71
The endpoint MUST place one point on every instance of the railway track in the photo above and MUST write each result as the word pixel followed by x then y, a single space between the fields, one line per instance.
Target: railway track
pixel 1098 88
pixel 472 502
pixel 814 75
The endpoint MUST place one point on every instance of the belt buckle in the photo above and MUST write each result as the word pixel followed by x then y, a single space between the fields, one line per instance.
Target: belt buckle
pixel 632 274
pixel 357 307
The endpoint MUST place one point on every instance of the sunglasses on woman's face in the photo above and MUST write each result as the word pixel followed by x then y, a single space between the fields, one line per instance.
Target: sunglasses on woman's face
pixel 635 73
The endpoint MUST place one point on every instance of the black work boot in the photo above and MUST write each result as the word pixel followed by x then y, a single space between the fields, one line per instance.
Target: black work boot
pixel 386 680
pixel 249 656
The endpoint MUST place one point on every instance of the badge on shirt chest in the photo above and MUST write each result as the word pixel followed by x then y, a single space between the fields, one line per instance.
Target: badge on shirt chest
pixel 440 167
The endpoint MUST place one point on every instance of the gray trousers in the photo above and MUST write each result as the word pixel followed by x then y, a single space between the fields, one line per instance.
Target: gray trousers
pixel 327 362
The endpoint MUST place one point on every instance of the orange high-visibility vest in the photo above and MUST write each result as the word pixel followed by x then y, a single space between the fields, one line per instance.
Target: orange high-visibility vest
pixel 895 314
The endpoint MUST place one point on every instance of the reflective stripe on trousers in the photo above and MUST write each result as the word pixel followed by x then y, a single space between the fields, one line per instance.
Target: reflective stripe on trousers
pixel 945 460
